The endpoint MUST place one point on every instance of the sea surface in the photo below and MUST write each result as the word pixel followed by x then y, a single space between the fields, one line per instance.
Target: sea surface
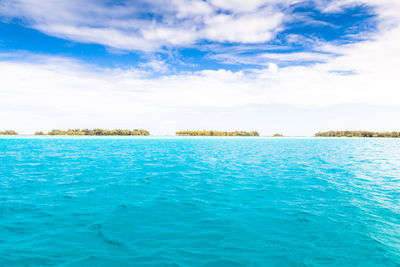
pixel 147 201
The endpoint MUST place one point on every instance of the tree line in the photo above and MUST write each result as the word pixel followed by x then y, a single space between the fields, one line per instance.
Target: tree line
pixel 358 134
pixel 98 132
pixel 140 132
pixel 217 133
pixel 8 132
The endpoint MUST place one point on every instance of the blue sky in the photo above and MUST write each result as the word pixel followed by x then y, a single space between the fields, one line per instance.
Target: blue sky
pixel 165 65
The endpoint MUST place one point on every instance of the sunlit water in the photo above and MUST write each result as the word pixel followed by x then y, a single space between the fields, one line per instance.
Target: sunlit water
pixel 199 202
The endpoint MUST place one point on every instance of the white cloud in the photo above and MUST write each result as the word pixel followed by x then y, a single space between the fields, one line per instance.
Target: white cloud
pixel 239 5
pixel 192 8
pixel 155 66
pixel 72 86
pixel 170 35
pixel 58 87
pixel 173 22
pixel 264 59
pixel 249 28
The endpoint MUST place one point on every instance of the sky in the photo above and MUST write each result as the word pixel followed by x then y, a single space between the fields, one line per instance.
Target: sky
pixel 294 67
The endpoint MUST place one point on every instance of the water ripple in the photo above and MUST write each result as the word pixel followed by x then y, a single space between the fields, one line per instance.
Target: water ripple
pixel 199 202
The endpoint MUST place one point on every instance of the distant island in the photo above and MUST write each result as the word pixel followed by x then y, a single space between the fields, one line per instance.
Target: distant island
pixel 8 132
pixel 141 132
pixel 98 132
pixel 217 133
pixel 358 134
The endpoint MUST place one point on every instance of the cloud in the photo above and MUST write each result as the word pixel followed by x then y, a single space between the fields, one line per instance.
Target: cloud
pixel 155 66
pixel 369 66
pixel 150 25
pixel 364 72
pixel 264 59
pixel 249 28
pixel 192 8
pixel 238 5
pixel 49 87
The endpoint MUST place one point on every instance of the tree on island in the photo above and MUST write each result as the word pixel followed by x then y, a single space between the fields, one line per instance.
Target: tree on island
pixel 8 132
pixel 277 135
pixel 358 134
pixel 217 133
pixel 98 132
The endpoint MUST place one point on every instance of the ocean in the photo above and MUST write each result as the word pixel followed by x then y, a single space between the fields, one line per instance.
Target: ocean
pixel 180 201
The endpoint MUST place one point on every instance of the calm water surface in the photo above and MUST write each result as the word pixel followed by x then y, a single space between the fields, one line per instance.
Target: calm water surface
pixel 199 202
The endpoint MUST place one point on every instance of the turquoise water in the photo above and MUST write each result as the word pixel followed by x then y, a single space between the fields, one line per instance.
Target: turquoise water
pixel 199 202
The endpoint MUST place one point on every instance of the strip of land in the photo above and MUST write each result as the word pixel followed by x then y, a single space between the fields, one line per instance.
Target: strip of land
pixel 217 133
pixel 8 132
pixel 141 132
pixel 358 134
pixel 98 132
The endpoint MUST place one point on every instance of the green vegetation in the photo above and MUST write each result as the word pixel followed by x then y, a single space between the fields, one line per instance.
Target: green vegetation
pixel 277 135
pixel 8 132
pixel 98 132
pixel 217 133
pixel 358 134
